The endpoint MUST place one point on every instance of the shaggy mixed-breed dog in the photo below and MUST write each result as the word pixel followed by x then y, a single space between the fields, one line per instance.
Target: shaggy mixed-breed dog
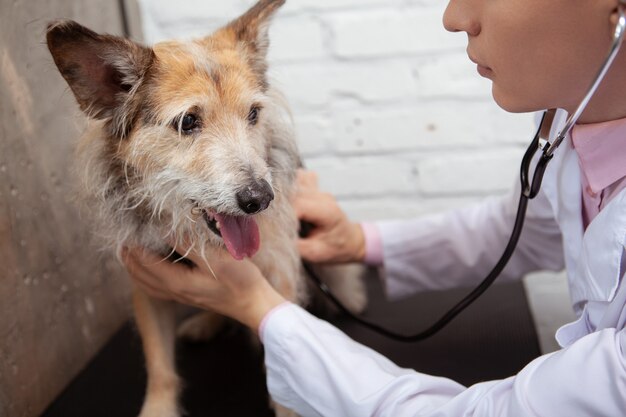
pixel 188 139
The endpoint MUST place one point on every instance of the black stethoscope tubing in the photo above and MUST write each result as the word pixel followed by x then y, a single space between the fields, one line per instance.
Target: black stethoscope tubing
pixel 529 190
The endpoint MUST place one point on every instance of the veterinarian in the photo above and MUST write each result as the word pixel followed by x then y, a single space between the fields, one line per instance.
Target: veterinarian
pixel 539 54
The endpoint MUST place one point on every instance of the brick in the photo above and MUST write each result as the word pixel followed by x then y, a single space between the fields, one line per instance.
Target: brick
pixel 164 11
pixel 391 32
pixel 296 38
pixel 469 173
pixel 385 208
pixel 316 85
pixel 428 125
pixel 424 2
pixel 163 19
pixel 329 5
pixel 367 176
pixel 450 75
pixel 313 135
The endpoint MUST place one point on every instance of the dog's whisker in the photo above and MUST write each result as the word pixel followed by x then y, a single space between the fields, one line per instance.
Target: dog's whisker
pixel 126 173
pixel 163 200
pixel 169 255
pixel 133 207
pixel 189 250
pixel 211 269
pixel 178 260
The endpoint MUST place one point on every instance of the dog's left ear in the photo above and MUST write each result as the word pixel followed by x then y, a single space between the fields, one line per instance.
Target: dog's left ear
pixel 103 71
pixel 251 32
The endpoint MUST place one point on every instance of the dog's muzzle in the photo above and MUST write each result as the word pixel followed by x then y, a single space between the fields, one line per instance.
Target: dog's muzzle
pixel 240 234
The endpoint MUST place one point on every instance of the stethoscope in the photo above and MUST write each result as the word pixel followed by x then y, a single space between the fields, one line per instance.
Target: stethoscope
pixel 530 189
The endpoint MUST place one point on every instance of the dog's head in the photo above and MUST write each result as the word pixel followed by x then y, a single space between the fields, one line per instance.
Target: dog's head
pixel 188 123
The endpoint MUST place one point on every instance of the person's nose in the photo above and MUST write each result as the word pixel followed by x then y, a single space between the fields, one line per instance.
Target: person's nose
pixel 462 16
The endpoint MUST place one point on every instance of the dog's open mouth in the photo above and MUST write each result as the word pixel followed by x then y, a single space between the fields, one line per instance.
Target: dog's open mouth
pixel 240 233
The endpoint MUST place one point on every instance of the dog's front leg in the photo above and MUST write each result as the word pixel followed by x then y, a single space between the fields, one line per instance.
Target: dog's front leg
pixel 156 322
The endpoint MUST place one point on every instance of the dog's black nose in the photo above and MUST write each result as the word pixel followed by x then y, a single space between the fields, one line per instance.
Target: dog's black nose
pixel 255 197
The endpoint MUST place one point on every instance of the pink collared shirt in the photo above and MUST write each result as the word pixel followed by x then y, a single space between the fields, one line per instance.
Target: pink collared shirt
pixel 601 148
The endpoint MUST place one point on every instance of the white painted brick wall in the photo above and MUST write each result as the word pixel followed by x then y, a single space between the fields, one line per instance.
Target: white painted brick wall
pixel 388 108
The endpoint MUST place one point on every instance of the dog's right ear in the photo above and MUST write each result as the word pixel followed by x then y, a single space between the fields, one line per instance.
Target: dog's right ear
pixel 251 32
pixel 103 71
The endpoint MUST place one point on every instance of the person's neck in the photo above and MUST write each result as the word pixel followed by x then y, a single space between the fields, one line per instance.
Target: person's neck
pixel 613 110
pixel 609 102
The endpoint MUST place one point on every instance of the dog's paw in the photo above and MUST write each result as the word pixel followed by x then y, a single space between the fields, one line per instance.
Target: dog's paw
pixel 347 283
pixel 201 327
pixel 355 297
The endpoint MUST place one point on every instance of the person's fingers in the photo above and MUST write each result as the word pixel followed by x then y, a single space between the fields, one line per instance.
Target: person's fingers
pixel 134 260
pixel 307 181
pixel 184 248
pixel 312 250
pixel 157 271
pixel 311 209
pixel 150 290
pixel 164 280
pixel 144 280
pixel 141 257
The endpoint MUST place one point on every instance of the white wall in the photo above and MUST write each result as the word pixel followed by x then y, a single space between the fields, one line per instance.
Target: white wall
pixel 388 108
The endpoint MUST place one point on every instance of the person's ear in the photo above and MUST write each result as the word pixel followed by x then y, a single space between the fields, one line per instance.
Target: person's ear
pixel 614 18
pixel 615 12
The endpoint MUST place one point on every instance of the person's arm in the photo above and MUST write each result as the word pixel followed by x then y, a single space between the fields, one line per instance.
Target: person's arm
pixel 460 247
pixel 235 289
pixel 316 370
pixel 457 248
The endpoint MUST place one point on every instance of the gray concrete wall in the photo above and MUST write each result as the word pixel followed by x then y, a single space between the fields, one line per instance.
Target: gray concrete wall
pixel 60 299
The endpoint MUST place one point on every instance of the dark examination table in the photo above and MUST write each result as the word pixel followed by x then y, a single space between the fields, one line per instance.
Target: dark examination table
pixel 493 339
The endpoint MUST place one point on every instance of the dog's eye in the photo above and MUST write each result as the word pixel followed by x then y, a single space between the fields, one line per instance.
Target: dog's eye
pixel 253 116
pixel 188 123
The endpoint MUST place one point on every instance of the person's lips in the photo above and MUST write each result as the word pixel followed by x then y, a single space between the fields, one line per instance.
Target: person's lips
pixel 483 70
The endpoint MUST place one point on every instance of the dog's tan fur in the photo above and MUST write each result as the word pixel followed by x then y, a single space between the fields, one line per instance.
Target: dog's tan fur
pixel 144 179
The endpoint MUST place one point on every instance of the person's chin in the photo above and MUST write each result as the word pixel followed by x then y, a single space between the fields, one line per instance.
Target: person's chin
pixel 513 103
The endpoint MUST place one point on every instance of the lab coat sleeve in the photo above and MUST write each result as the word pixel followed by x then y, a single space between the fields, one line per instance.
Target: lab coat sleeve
pixel 460 247
pixel 316 370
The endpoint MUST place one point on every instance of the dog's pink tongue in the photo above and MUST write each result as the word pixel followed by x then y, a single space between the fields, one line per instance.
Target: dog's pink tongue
pixel 241 235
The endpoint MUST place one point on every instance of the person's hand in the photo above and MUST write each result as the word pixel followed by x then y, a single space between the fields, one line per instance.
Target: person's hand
pixel 334 238
pixel 233 288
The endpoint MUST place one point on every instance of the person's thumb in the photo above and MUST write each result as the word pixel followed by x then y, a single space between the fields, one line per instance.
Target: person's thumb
pixel 311 210
pixel 313 250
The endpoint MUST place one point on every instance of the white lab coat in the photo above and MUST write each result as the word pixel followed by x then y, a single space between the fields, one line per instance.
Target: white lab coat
pixel 316 370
